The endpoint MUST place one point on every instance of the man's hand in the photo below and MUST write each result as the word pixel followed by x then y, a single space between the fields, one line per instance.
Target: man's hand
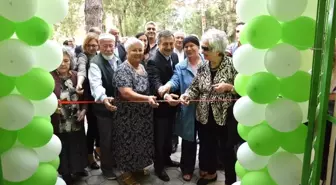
pixel 81 115
pixel 108 104
pixel 172 99
pixel 163 90
pixel 79 89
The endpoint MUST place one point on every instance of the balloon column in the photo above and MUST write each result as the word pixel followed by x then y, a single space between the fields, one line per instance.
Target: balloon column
pixel 28 149
pixel 273 63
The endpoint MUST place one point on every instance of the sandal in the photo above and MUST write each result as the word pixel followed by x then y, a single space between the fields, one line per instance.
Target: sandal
pixel 127 179
pixel 187 177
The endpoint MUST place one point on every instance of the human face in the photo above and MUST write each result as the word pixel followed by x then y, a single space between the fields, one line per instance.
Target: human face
pixel 208 53
pixel 115 33
pixel 70 43
pixel 151 31
pixel 191 49
pixel 65 65
pixel 144 39
pixel 92 47
pixel 106 47
pixel 179 41
pixel 135 53
pixel 239 28
pixel 166 45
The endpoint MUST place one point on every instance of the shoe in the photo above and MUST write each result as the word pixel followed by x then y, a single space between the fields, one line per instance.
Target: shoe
pixel 163 176
pixel 110 176
pixel 94 166
pixel 172 164
pixel 203 181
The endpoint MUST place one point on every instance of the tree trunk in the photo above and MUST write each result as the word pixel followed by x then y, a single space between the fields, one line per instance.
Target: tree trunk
pixel 93 14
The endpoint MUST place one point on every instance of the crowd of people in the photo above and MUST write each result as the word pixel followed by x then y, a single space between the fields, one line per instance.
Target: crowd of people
pixel 148 91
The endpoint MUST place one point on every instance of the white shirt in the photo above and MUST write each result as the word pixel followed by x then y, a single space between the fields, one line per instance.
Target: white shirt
pixel 180 54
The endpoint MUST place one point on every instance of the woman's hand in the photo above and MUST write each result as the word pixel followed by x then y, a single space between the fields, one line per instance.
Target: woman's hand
pixel 184 99
pixel 172 99
pixel 81 115
pixel 222 87
pixel 79 89
pixel 152 101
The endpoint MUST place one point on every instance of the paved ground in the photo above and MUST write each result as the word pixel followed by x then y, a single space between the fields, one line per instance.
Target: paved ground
pixel 95 177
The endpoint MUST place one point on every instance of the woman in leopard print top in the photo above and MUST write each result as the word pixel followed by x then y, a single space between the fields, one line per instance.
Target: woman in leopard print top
pixel 214 81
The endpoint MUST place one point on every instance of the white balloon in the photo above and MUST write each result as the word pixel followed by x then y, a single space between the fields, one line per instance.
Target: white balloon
pixel 306 60
pixel 18 10
pixel 46 107
pixel 285 168
pixel 50 151
pixel 249 9
pixel 311 9
pixel 48 56
pixel 19 163
pixel 247 112
pixel 250 160
pixel 60 181
pixel 248 60
pixel 304 108
pixel 286 10
pixel 283 60
pixel 52 11
pixel 16 57
pixel 15 112
pixel 284 115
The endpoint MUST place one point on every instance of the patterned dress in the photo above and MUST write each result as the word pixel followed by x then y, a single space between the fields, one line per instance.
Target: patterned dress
pixel 133 130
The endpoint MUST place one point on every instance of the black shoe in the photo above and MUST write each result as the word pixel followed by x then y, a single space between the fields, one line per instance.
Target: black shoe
pixel 94 166
pixel 163 176
pixel 203 181
pixel 172 164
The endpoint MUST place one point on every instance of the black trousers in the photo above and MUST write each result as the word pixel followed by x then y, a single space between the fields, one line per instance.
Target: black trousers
pixel 189 153
pixel 163 130
pixel 92 135
pixel 211 135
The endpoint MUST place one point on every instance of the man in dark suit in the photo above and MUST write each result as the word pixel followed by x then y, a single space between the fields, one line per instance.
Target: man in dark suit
pixel 160 69
pixel 119 48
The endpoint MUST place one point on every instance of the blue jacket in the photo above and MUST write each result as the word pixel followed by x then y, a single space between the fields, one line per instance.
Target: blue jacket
pixel 186 116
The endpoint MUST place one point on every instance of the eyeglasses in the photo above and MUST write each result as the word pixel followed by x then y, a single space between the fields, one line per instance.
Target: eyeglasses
pixel 204 48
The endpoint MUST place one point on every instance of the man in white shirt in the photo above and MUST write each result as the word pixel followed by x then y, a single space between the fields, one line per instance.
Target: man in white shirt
pixel 101 72
pixel 179 37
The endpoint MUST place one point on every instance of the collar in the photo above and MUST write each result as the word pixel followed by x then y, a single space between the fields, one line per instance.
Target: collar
pixel 184 63
pixel 167 58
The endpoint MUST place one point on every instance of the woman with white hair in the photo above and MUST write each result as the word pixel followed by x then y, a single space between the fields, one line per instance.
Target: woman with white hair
pixel 133 132
pixel 214 81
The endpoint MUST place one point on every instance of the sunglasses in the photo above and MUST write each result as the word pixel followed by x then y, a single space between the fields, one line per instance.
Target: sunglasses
pixel 204 48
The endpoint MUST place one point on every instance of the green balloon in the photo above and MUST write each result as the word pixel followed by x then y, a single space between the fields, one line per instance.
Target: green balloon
pixel 7 28
pixel 37 133
pixel 243 36
pixel 263 32
pixel 263 87
pixel 240 171
pixel 240 84
pixel 263 140
pixel 299 32
pixel 45 81
pixel 296 87
pixel 243 131
pixel 7 84
pixel 295 141
pixel 257 178
pixel 55 163
pixel 34 32
pixel 8 139
pixel 45 174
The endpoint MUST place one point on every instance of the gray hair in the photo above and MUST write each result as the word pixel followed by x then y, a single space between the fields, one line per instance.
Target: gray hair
pixel 67 51
pixel 150 23
pixel 164 34
pixel 179 33
pixel 131 41
pixel 217 40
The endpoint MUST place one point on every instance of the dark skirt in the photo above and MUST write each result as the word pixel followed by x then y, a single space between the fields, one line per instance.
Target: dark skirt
pixel 73 157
